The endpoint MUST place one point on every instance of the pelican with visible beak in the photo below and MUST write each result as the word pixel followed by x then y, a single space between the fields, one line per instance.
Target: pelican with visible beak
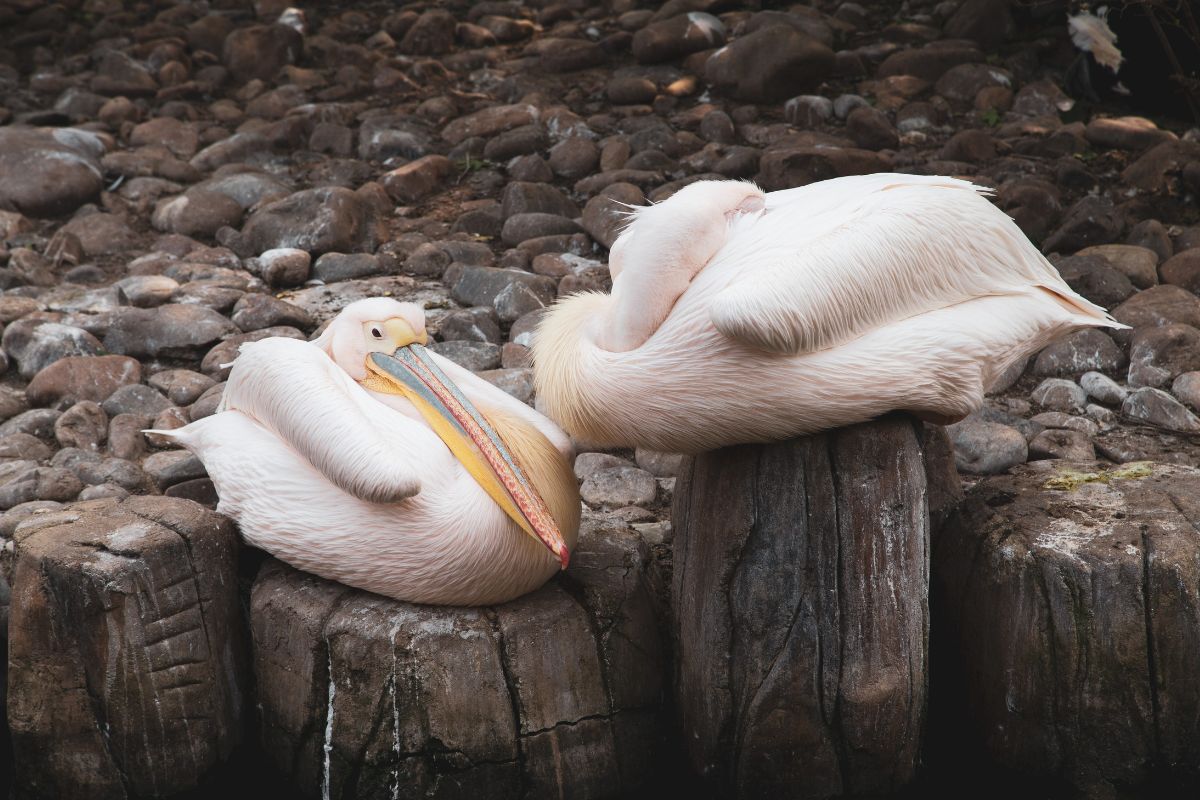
pixel 365 458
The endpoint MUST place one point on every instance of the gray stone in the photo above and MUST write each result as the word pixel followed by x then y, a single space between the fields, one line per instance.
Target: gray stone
pixel 37 345
pixel 1086 350
pixel 1158 354
pixel 986 448
pixel 1061 443
pixel 1102 388
pixel 40 483
pixel 1159 408
pixel 48 173
pixel 83 425
pixel 172 331
pixel 173 466
pixel 321 220
pixel 474 356
pixel 1058 394
pixel 1187 389
pixel 619 486
pixel 135 399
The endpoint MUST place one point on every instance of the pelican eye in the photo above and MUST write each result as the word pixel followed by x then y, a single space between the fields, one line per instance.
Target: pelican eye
pixel 378 334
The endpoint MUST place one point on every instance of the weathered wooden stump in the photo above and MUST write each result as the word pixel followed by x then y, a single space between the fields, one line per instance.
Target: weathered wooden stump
pixel 127 649
pixel 801 614
pixel 556 694
pixel 1070 597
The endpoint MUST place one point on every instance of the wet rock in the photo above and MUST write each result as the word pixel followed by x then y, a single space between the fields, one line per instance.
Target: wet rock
pixel 1088 349
pixel 260 51
pixel 83 425
pixel 171 331
pixel 1061 565
pixel 1159 408
pixel 315 220
pixel 619 486
pixel 676 37
pixel 48 173
pixel 769 65
pixel 75 378
pixel 474 682
pixel 145 581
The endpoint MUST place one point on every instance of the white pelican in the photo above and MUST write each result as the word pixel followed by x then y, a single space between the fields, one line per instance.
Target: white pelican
pixel 402 474
pixel 737 316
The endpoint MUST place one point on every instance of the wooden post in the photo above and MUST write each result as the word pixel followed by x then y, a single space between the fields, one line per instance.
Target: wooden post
pixel 800 588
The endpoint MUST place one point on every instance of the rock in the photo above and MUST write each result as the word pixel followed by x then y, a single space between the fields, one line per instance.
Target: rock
pixel 604 217
pixel 431 35
pixel 489 121
pixel 1088 349
pixel 257 311
pixel 553 693
pixel 1183 269
pixel 630 90
pixel 37 345
pixel 472 324
pixel 39 483
pixel 661 465
pixel 486 286
pixel 173 466
pixel 678 36
pixel 791 167
pixel 260 51
pixel 1151 171
pixel 1187 388
pixel 1090 221
pixel 475 356
pixel 1102 388
pixel 418 179
pixel 24 446
pixel 962 84
pixel 285 267
pixel 988 22
pixel 1159 353
pixel 121 607
pixel 929 62
pixel 171 331
pixel 522 197
pixel 118 74
pixel 574 157
pixel 48 173
pixel 1057 394
pixel 75 378
pixel 1126 133
pixel 619 486
pixel 1096 279
pixel 808 110
pixel 136 399
pixel 970 145
pixel 181 386
pixel 986 448
pixel 1138 264
pixel 522 227
pixel 318 220
pixel 762 589
pixel 1059 566
pixel 769 65
pixel 516 381
pixel 196 213
pixel 1057 443
pixel 1159 305
pixel 83 425
pixel 1159 408
pixel 38 422
pixel 569 55
pixel 871 130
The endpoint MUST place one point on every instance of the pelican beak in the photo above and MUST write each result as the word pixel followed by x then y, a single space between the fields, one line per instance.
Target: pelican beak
pixel 475 442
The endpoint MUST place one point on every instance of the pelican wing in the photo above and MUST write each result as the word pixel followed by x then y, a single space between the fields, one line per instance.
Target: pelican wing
pixel 294 390
pixel 829 261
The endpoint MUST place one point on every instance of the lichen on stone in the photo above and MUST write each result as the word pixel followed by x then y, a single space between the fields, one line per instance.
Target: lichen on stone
pixel 1068 480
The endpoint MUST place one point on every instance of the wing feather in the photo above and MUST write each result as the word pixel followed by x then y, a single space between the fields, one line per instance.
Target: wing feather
pixel 826 266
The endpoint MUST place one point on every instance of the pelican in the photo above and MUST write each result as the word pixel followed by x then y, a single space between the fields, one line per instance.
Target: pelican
pixel 365 458
pixel 738 316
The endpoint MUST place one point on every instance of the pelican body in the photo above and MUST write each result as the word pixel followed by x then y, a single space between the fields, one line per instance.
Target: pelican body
pixel 738 316
pixel 364 458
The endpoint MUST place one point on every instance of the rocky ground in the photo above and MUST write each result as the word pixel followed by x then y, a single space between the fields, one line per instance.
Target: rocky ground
pixel 177 178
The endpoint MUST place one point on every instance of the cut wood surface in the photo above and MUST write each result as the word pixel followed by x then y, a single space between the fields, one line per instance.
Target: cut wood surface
pixel 556 694
pixel 1069 596
pixel 127 662
pixel 801 615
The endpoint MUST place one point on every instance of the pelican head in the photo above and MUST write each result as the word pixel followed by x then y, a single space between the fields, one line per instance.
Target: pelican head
pixel 380 343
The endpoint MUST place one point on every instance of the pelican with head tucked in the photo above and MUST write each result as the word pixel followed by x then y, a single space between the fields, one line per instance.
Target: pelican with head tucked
pixel 365 458
pixel 738 316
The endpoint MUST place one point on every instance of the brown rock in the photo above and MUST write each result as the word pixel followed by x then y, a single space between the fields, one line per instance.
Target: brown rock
pixel 416 180
pixel 1127 133
pixel 260 51
pixel 770 65
pixel 558 691
pixel 786 168
pixel 783 604
pixel 47 174
pixel 1068 592
pixel 489 121
pixel 1183 269
pixel 432 34
pixel 1136 263
pixel 1159 305
pixel 676 37
pixel 75 378
pixel 319 220
pixel 606 214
